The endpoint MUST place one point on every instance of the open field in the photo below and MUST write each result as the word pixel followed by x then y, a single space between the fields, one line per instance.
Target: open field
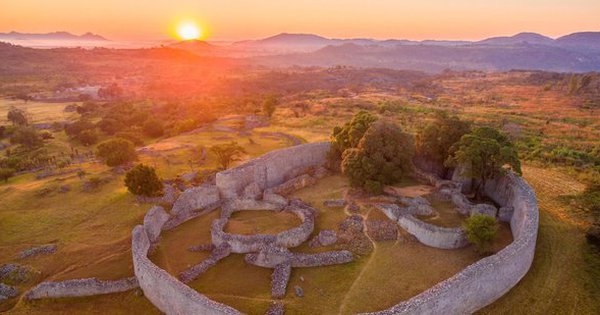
pixel 39 112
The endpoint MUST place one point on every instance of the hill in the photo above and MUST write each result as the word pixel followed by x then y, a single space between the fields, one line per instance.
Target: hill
pixel 51 36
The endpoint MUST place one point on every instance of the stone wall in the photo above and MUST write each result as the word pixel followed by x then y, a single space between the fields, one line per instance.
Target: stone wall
pixel 272 169
pixel 80 287
pixel 164 291
pixel 486 280
pixel 433 235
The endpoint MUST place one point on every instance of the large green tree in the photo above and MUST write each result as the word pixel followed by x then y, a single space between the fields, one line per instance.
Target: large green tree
pixel 383 155
pixel 116 151
pixel 488 153
pixel 481 231
pixel 26 136
pixel 434 141
pixel 349 135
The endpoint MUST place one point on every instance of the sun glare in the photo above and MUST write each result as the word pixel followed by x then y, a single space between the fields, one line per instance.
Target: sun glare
pixel 189 31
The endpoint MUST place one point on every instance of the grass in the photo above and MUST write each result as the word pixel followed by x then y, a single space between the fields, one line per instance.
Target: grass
pixel 39 112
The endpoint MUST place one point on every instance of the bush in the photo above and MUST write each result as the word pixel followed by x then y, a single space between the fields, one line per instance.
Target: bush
pixel 116 151
pixel 75 128
pixel 270 105
pixel 382 157
pixel 481 231
pixel 153 128
pixel 142 180
pixel 185 125
pixel 26 136
pixel 131 136
pixel 6 173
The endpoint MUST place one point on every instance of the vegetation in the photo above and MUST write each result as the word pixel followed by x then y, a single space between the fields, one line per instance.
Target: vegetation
pixel 17 116
pixel 486 152
pixel 481 231
pixel 227 153
pixel 153 128
pixel 26 136
pixel 435 140
pixel 6 173
pixel 116 151
pixel 350 134
pixel 143 181
pixel 382 157
pixel 270 105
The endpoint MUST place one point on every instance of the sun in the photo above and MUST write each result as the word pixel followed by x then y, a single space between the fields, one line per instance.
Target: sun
pixel 189 31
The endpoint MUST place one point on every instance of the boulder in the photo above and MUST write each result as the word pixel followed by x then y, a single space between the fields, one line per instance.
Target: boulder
pixel 299 292
pixel 40 250
pixel 321 172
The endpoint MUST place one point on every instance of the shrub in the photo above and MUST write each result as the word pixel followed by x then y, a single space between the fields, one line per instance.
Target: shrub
pixel 46 135
pixel 110 126
pixel 116 151
pixel 481 231
pixel 131 136
pixel 142 180
pixel 153 128
pixel 75 128
pixel 382 157
pixel 26 136
pixel 227 153
pixel 185 125
pixel 6 173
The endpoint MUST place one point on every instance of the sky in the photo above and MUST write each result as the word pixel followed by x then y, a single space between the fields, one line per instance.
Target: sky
pixel 250 19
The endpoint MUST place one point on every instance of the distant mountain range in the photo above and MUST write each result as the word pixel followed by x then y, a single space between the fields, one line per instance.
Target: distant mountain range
pixel 311 41
pixel 51 36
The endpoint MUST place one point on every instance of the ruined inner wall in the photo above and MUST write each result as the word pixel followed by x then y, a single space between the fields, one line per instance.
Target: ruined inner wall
pixel 486 280
pixel 272 169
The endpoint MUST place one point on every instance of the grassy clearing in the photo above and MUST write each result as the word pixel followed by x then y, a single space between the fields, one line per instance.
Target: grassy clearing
pixel 261 222
pixel 39 112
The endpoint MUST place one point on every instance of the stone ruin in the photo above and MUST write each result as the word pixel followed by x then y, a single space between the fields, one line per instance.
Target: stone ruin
pixel 260 184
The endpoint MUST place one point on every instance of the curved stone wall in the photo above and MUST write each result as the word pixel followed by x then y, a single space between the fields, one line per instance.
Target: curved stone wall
pixel 164 291
pixel 432 235
pixel 486 280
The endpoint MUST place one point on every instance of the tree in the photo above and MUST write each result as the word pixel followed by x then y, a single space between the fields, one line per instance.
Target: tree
pixel 435 140
pixel 227 153
pixel 481 231
pixel 270 105
pixel 349 135
pixel 17 116
pixel 27 137
pixel 382 157
pixel 153 128
pixel 116 151
pixel 88 137
pixel 488 153
pixel 142 180
pixel 6 173
pixel 112 91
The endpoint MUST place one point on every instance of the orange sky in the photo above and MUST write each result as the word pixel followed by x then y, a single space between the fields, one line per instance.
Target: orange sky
pixel 244 19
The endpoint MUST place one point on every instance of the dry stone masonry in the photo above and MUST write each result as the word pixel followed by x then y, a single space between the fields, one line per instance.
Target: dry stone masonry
pixel 262 183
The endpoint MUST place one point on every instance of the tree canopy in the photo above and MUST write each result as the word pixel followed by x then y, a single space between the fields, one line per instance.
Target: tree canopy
pixel 17 116
pixel 116 151
pixel 481 231
pixel 434 141
pixel 383 155
pixel 349 135
pixel 487 153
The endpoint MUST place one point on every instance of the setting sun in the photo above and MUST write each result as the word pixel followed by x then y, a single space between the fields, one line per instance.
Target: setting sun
pixel 189 31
